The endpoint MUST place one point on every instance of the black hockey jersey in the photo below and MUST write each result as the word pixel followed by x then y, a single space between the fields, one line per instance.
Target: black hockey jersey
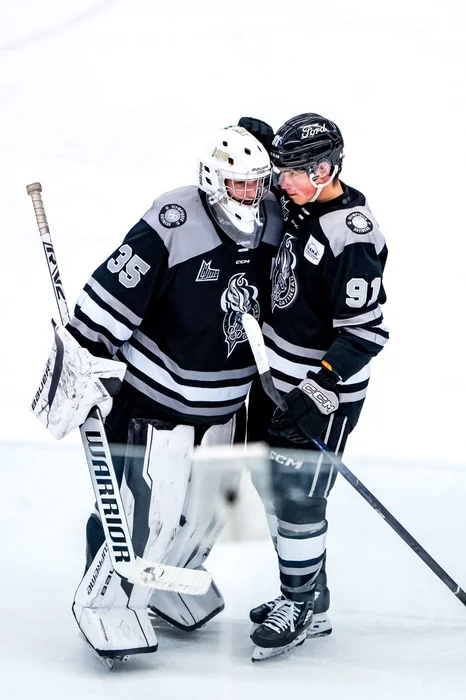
pixel 326 295
pixel 167 303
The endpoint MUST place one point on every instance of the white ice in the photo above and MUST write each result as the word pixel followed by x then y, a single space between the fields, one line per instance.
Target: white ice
pixel 399 633
pixel 108 104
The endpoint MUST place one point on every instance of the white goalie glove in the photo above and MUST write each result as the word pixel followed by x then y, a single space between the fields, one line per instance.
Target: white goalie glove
pixel 73 382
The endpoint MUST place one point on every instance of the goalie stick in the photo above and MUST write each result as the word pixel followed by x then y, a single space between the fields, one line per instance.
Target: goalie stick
pixel 256 341
pixel 124 561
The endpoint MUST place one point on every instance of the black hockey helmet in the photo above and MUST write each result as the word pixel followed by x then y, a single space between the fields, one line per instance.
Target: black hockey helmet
pixel 306 141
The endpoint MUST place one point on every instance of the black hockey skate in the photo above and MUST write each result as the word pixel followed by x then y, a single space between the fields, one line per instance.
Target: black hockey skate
pixel 284 628
pixel 320 626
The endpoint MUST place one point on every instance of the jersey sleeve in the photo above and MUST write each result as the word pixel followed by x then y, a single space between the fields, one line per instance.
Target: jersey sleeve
pixel 115 299
pixel 356 290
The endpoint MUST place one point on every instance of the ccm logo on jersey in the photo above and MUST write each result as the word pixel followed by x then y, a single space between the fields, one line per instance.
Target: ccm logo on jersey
pixel 326 403
pixel 287 461
pixel 314 251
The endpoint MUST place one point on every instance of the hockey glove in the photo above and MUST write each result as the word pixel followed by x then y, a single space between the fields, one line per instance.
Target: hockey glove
pixel 262 131
pixel 309 407
pixel 73 382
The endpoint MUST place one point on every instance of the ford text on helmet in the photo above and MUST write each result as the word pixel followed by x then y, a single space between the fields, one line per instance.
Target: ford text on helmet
pixel 308 142
pixel 235 173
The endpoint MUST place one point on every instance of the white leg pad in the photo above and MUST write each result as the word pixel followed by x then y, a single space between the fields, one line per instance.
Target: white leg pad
pixel 205 515
pixel 112 613
pixel 104 615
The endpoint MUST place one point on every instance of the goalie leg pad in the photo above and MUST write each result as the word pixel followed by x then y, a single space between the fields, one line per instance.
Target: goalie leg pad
pixel 154 486
pixel 204 516
pixel 104 614
pixel 112 613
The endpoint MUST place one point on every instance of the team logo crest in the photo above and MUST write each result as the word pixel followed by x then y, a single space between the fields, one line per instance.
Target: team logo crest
pixel 207 273
pixel 172 215
pixel 284 285
pixel 239 297
pixel 358 222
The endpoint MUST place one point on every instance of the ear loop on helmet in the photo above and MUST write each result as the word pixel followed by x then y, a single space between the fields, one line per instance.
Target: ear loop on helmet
pixel 314 176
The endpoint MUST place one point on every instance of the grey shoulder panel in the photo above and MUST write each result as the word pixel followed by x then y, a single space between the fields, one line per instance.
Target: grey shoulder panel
pixel 182 223
pixel 355 225
pixel 274 226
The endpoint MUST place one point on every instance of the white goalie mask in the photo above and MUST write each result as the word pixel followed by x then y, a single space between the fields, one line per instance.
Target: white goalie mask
pixel 235 173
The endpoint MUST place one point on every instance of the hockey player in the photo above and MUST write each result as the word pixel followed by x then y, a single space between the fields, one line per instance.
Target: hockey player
pixel 168 303
pixel 326 326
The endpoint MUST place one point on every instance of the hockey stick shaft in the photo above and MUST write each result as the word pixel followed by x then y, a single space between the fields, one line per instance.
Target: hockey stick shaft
pixel 256 341
pixel 34 191
pixel 104 480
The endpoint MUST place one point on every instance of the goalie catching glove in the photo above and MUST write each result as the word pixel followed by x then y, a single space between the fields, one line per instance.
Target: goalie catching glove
pixel 309 407
pixel 73 382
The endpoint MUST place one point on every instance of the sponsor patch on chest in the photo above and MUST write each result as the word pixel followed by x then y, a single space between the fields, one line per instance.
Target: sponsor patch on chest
pixel 314 251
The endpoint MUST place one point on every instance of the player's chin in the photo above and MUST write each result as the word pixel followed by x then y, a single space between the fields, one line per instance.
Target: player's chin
pixel 298 198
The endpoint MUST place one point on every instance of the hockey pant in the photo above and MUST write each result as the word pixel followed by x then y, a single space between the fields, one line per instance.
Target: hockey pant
pixel 175 514
pixel 295 500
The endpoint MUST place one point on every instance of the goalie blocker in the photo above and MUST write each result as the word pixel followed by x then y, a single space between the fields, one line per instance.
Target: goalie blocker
pixel 73 382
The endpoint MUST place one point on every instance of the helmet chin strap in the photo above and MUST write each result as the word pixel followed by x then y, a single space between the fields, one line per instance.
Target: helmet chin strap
pixel 319 188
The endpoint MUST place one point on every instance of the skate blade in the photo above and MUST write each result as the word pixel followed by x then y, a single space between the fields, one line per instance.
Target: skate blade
pixel 107 661
pixel 319 627
pixel 263 653
pixel 110 662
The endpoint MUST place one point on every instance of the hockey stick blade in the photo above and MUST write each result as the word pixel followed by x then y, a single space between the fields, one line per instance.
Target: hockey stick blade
pixel 171 578
pixel 256 341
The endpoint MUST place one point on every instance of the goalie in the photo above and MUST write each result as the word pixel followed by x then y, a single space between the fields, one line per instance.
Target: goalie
pixel 166 306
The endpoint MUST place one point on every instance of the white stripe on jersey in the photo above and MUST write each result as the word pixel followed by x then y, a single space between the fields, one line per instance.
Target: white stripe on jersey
pixel 298 350
pixel 299 371
pixel 192 374
pixel 354 396
pixel 368 335
pixel 189 393
pixel 114 302
pixel 93 335
pixel 178 406
pixel 103 318
pixel 292 369
pixel 358 320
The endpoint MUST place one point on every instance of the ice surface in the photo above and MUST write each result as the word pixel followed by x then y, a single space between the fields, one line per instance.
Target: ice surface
pixel 399 633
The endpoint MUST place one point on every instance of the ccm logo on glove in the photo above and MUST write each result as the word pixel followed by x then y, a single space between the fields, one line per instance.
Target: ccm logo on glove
pixel 326 402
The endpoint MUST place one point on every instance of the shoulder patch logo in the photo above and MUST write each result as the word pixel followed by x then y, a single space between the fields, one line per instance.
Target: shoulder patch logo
pixel 207 273
pixel 358 222
pixel 172 215
pixel 314 251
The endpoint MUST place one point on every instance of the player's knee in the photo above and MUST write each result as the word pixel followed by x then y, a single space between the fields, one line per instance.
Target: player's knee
pixel 300 509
